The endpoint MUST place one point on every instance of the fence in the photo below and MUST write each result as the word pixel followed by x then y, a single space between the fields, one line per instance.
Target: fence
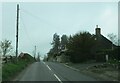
pixel 7 59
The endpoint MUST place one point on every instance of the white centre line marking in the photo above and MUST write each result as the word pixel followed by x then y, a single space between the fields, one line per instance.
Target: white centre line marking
pixel 58 78
pixel 48 67
pixel 54 74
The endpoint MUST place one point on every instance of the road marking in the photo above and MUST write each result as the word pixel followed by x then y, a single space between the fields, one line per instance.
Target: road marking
pixel 71 67
pixel 58 78
pixel 48 67
pixel 54 74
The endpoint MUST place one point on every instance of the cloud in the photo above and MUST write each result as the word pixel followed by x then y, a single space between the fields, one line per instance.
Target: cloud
pixel 0 22
pixel 109 18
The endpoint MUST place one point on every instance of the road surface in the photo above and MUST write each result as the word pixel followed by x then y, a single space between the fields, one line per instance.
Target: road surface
pixel 51 71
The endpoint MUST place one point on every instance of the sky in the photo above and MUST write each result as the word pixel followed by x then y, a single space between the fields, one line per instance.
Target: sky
pixel 38 21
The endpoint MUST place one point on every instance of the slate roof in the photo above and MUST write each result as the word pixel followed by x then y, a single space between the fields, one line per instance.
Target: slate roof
pixel 25 55
pixel 101 42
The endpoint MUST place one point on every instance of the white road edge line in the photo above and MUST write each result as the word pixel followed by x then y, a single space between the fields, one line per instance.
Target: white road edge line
pixel 58 78
pixel 72 67
pixel 48 67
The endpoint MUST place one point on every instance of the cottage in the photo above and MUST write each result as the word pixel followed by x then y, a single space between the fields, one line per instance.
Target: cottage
pixel 25 56
pixel 102 43
pixel 62 58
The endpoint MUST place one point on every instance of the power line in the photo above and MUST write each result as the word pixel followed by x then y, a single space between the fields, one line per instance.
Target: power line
pixel 25 29
pixel 35 17
pixel 28 36
pixel 38 18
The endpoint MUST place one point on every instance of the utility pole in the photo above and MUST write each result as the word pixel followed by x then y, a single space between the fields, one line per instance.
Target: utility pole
pixel 17 24
pixel 35 52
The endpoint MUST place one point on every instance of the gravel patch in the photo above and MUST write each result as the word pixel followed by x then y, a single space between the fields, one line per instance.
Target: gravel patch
pixel 100 71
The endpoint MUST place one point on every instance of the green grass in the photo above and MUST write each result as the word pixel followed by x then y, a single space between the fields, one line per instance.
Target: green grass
pixel 9 70
pixel 114 61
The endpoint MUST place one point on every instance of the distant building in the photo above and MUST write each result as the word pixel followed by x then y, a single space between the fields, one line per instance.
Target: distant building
pixel 25 56
pixel 62 57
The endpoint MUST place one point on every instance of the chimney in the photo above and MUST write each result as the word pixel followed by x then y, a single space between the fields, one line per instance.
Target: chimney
pixel 98 30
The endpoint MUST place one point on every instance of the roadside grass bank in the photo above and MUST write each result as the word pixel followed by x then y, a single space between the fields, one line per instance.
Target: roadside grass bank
pixel 100 71
pixel 10 70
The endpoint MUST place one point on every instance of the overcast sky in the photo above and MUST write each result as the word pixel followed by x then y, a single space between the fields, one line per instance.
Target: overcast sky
pixel 39 21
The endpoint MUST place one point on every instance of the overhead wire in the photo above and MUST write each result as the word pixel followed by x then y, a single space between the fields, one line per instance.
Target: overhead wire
pixel 35 17
pixel 27 35
pixel 25 29
pixel 38 18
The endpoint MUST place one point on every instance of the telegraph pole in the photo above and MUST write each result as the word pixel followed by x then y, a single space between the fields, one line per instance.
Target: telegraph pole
pixel 17 24
pixel 35 52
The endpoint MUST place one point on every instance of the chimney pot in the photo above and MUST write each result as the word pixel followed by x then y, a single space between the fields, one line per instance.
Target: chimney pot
pixel 96 26
pixel 98 30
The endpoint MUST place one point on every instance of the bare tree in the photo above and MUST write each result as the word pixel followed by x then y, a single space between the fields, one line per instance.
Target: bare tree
pixel 5 47
pixel 112 38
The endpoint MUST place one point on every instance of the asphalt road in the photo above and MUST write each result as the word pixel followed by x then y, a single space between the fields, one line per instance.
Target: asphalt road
pixel 50 71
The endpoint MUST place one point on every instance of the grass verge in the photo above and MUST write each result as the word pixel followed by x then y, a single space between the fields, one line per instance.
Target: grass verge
pixel 9 70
